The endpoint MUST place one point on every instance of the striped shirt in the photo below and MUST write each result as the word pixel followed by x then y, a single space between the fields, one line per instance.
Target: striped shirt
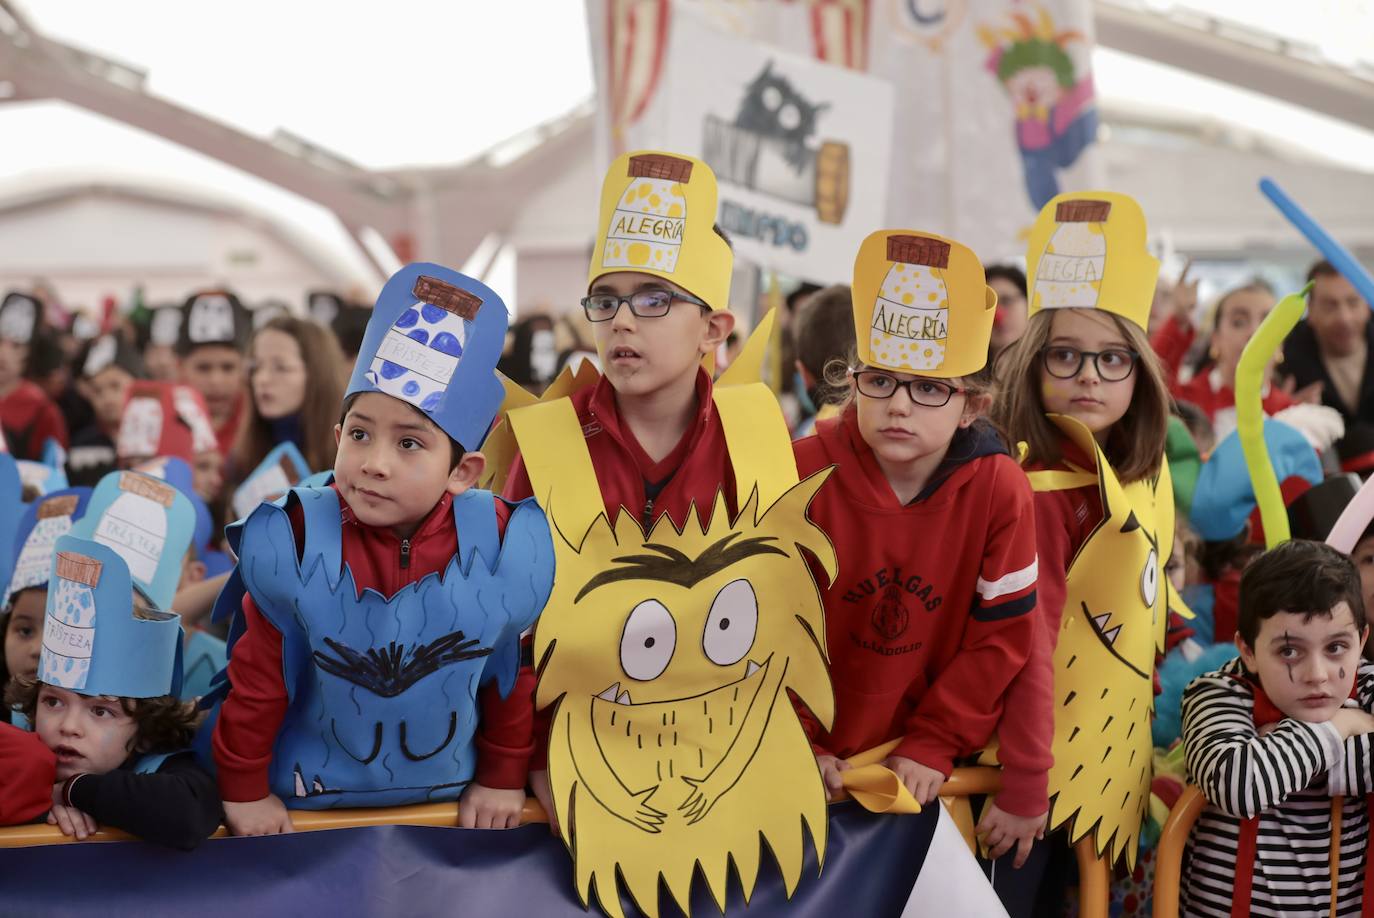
pixel 1287 778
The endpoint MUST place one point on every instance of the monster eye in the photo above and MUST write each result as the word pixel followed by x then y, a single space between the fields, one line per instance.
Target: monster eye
pixel 789 117
pixel 647 643
pixel 1149 579
pixel 771 98
pixel 732 623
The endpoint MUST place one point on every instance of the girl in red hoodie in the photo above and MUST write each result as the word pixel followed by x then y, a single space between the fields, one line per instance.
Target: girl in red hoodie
pixel 934 607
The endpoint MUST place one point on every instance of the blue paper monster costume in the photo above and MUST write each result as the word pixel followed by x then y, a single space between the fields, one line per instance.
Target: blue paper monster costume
pixel 382 690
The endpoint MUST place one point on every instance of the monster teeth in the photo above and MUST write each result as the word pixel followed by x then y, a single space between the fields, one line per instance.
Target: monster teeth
pixel 609 694
pixel 1101 620
pixel 1111 635
pixel 624 698
pixel 316 786
pixel 751 669
pixel 300 784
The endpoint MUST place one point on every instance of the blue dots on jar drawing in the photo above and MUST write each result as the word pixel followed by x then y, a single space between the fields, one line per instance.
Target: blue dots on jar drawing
pixel 448 343
pixel 432 313
pixel 431 401
pixel 392 370
pixel 410 389
pixel 420 335
pixel 408 318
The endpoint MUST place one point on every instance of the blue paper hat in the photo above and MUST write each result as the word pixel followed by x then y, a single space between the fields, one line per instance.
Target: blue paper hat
pixel 44 478
pixel 177 473
pixel 148 523
pixel 1224 495
pixel 11 495
pixel 282 469
pixel 92 643
pixel 43 523
pixel 433 341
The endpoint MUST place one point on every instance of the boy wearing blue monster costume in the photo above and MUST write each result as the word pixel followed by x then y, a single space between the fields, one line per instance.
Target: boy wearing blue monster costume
pixel 369 666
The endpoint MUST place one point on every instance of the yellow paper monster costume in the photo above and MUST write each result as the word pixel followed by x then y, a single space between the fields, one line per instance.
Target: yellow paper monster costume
pixel 1087 251
pixel 669 655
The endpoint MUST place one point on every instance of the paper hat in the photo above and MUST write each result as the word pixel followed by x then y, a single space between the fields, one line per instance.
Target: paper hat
pixel 214 317
pixel 164 419
pixel 1224 497
pixel 178 474
pixel 43 523
pixel 1087 251
pixel 282 469
pixel 92 643
pixel 658 214
pixel 433 341
pixel 19 314
pixel 148 523
pixel 164 328
pixel 110 350
pixel 43 477
pixel 921 305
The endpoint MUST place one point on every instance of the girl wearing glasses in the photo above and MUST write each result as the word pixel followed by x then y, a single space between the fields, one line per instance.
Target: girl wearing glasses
pixel 934 607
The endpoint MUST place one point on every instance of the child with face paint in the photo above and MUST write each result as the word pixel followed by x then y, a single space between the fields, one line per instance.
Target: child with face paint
pixel 934 608
pixel 1274 736
pixel 1083 394
pixel 111 740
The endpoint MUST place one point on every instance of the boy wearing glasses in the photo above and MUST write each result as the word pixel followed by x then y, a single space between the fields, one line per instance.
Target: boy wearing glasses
pixel 657 297
pixel 934 608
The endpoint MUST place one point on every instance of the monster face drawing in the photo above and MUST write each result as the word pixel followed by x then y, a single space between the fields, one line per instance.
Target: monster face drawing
pixel 1114 621
pixel 674 743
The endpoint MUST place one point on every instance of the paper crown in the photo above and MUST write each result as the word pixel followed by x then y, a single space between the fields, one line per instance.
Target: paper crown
pixel 921 305
pixel 178 474
pixel 43 523
pixel 92 643
pixel 148 523
pixel 282 469
pixel 1087 251
pixel 214 317
pixel 44 477
pixel 658 213
pixel 19 314
pixel 111 350
pixel 164 419
pixel 164 328
pixel 433 341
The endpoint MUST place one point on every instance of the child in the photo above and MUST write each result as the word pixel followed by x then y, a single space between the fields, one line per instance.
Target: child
pixel 159 338
pixel 1273 737
pixel 1085 394
pixel 109 367
pixel 924 633
pixel 296 378
pixel 29 417
pixel 211 348
pixel 397 601
pixel 111 739
pixel 650 426
pixel 825 336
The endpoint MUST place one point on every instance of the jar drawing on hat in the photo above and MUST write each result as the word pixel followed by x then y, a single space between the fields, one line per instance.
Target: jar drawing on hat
pixel 53 519
pixel 210 318
pixel 647 224
pixel 140 431
pixel 134 526
pixel 69 627
pixel 911 315
pixel 420 352
pixel 1069 273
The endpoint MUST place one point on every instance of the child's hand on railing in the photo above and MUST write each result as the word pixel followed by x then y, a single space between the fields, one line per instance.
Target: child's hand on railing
pixel 923 783
pixel 483 807
pixel 1001 831
pixel 267 816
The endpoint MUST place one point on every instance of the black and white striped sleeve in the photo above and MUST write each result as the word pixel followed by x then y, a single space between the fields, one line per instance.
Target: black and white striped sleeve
pixel 1357 771
pixel 1240 772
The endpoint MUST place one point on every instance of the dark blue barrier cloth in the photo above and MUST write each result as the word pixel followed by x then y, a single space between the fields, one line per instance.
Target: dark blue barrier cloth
pixel 870 868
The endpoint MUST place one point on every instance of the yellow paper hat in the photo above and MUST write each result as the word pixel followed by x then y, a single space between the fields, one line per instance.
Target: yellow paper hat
pixel 1087 250
pixel 921 305
pixel 658 213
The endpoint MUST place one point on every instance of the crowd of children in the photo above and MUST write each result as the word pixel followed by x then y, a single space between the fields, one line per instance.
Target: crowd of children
pixel 1013 459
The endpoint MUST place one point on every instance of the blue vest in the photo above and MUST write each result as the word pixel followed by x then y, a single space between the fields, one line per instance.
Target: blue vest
pixel 383 690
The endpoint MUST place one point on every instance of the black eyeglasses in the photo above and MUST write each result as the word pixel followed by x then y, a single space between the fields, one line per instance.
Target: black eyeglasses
pixel 644 304
pixel 1064 362
pixel 926 392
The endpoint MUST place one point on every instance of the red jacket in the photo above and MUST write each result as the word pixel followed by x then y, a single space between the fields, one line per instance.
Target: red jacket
pixel 30 418
pixel 692 472
pixel 30 769
pixel 1170 344
pixel 934 608
pixel 1211 398
pixel 251 716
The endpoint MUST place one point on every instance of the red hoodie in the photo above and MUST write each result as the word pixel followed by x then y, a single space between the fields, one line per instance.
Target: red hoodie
pixel 30 419
pixel 934 608
pixel 251 716
pixel 30 769
pixel 691 473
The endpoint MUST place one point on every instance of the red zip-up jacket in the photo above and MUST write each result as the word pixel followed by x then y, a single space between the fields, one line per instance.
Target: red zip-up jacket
pixel 30 419
pixel 690 474
pixel 933 611
pixel 252 713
